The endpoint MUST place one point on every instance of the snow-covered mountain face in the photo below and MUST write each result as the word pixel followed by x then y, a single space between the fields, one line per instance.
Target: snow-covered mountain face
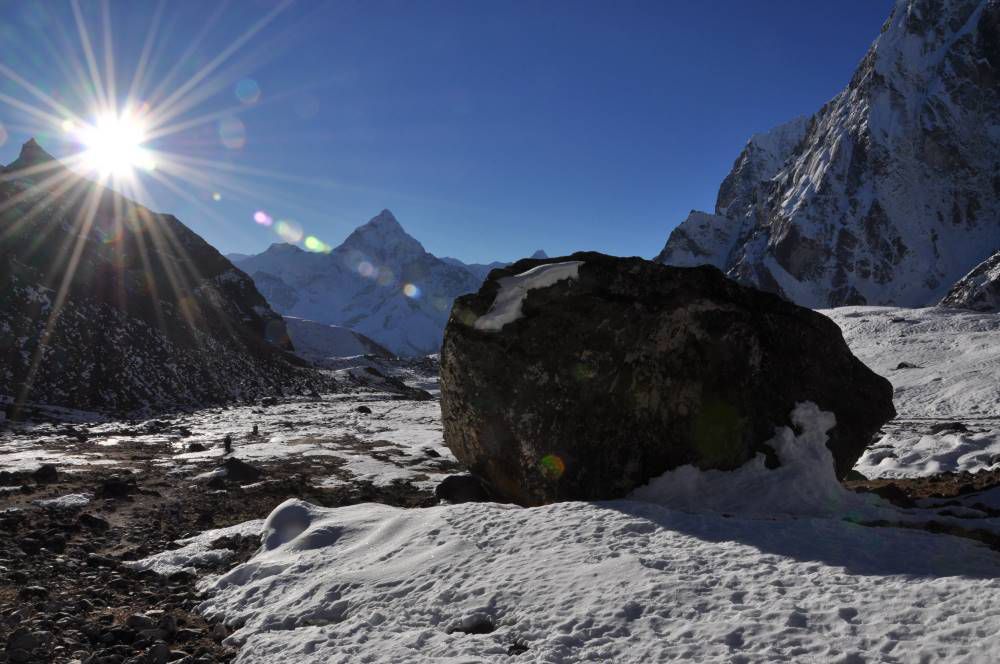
pixel 979 290
pixel 379 282
pixel 105 305
pixel 887 195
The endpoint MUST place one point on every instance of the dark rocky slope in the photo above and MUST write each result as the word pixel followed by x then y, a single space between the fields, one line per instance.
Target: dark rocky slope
pixel 105 305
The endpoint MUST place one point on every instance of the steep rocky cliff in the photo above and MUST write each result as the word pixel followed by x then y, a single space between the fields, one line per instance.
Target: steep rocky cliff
pixel 887 195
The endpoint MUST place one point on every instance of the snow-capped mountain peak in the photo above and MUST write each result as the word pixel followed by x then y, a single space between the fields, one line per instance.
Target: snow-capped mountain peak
pixel 383 238
pixel 380 282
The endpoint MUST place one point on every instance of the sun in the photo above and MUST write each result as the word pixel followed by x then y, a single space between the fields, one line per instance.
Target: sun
pixel 113 146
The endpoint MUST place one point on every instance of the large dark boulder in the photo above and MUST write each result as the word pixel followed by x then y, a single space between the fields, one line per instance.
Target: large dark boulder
pixel 619 369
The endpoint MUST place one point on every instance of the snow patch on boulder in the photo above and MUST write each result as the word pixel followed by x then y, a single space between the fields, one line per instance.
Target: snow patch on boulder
pixel 507 305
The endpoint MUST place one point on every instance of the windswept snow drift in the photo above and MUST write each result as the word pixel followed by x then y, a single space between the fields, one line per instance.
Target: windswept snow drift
pixel 804 483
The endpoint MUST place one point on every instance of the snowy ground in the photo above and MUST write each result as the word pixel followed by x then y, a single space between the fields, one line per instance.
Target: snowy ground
pixel 757 571
pixel 398 440
pixel 945 367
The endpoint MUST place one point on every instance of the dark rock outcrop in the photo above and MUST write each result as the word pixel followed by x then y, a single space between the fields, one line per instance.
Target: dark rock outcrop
pixel 979 290
pixel 106 305
pixel 632 368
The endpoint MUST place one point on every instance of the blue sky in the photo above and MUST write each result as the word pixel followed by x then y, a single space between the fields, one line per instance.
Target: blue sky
pixel 490 129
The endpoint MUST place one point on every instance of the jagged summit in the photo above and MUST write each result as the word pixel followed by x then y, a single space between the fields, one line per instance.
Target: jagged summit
pixel 382 238
pixel 540 254
pixel 32 155
pixel 887 195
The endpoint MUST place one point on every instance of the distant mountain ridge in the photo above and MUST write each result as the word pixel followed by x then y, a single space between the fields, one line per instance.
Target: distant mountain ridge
pixel 379 282
pixel 890 193
pixel 107 306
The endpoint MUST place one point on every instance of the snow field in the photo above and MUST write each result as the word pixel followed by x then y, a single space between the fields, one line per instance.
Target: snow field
pixel 599 582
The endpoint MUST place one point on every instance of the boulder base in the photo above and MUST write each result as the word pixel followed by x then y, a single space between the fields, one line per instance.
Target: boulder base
pixel 583 382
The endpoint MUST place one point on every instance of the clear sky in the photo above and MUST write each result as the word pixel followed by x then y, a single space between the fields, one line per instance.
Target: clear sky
pixel 490 129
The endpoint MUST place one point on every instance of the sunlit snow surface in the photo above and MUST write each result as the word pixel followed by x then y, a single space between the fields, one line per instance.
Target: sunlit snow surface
pixel 945 366
pixel 605 582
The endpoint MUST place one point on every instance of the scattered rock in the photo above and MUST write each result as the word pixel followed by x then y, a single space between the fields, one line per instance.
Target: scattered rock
pixel 22 639
pixel 364 410
pixel 46 474
pixel 906 365
pixel 196 447
pixel 477 623
pixel 942 427
pixel 463 489
pixel 241 471
pixel 586 387
pixel 32 592
pixel 269 401
pixel 117 487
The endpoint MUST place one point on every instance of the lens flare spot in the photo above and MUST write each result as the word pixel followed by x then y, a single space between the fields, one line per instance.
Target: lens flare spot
pixel 247 91
pixel 411 290
pixel 232 133
pixel 263 218
pixel 69 126
pixel 216 196
pixel 366 269
pixel 386 277
pixel 312 243
pixel 552 466
pixel 289 231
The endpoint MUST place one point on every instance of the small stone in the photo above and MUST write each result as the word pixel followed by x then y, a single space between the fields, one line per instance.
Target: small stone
pixel 158 653
pixel 139 622
pixel 219 632
pixel 196 447
pixel 942 427
pixel 22 639
pixel 364 410
pixel 18 656
pixel 46 474
pixel 93 522
pixel 462 489
pixel 33 592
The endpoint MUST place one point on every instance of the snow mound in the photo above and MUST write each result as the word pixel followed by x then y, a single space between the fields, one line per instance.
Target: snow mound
pixel 615 582
pixel 506 306
pixel 804 483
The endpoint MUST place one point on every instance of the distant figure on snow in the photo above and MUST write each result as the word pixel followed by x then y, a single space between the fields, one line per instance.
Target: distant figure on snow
pixel 227 443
